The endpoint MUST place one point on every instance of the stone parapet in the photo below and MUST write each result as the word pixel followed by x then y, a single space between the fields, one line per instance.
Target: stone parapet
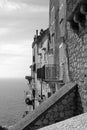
pixel 58 107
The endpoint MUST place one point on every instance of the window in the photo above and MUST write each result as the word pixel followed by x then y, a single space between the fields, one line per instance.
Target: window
pixel 33 58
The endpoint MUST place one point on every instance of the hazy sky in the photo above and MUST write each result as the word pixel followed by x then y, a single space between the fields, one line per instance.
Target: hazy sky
pixel 18 21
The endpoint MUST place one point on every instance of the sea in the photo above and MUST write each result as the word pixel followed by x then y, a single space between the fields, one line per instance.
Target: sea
pixel 12 105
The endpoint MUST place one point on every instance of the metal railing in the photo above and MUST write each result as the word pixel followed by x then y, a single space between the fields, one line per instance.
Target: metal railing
pixel 50 72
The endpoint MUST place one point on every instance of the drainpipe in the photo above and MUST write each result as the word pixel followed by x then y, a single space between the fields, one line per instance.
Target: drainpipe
pixel 41 89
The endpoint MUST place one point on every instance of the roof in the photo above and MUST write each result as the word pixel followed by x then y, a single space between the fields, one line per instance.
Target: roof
pixel 39 38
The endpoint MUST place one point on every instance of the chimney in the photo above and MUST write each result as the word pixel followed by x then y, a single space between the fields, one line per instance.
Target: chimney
pixel 36 33
pixel 41 31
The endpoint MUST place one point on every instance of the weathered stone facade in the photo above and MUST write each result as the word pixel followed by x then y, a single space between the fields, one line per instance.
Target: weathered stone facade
pixel 70 6
pixel 77 57
pixel 55 4
pixel 77 52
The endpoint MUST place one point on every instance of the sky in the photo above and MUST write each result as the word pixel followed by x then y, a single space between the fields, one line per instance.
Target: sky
pixel 19 19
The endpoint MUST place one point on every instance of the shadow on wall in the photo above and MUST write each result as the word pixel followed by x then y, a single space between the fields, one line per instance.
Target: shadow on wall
pixel 78 102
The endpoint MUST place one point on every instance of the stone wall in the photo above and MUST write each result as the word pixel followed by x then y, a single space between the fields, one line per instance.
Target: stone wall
pixel 55 3
pixel 60 106
pixel 77 56
pixel 74 123
pixel 63 109
pixel 70 6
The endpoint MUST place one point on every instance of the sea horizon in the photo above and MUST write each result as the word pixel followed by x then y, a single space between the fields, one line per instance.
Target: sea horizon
pixel 12 105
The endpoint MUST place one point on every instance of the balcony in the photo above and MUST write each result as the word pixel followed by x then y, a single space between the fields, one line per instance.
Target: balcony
pixel 51 72
pixel 47 73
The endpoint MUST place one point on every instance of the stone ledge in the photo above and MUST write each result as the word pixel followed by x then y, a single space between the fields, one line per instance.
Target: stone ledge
pixel 74 123
pixel 23 123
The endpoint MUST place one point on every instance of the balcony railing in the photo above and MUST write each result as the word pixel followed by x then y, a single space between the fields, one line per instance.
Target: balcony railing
pixel 47 72
pixel 51 72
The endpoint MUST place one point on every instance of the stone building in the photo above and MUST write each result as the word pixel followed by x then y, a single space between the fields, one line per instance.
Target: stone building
pixel 60 52
pixel 67 20
pixel 68 28
pixel 76 40
pixel 68 52
pixel 57 25
pixel 40 61
pixel 44 72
